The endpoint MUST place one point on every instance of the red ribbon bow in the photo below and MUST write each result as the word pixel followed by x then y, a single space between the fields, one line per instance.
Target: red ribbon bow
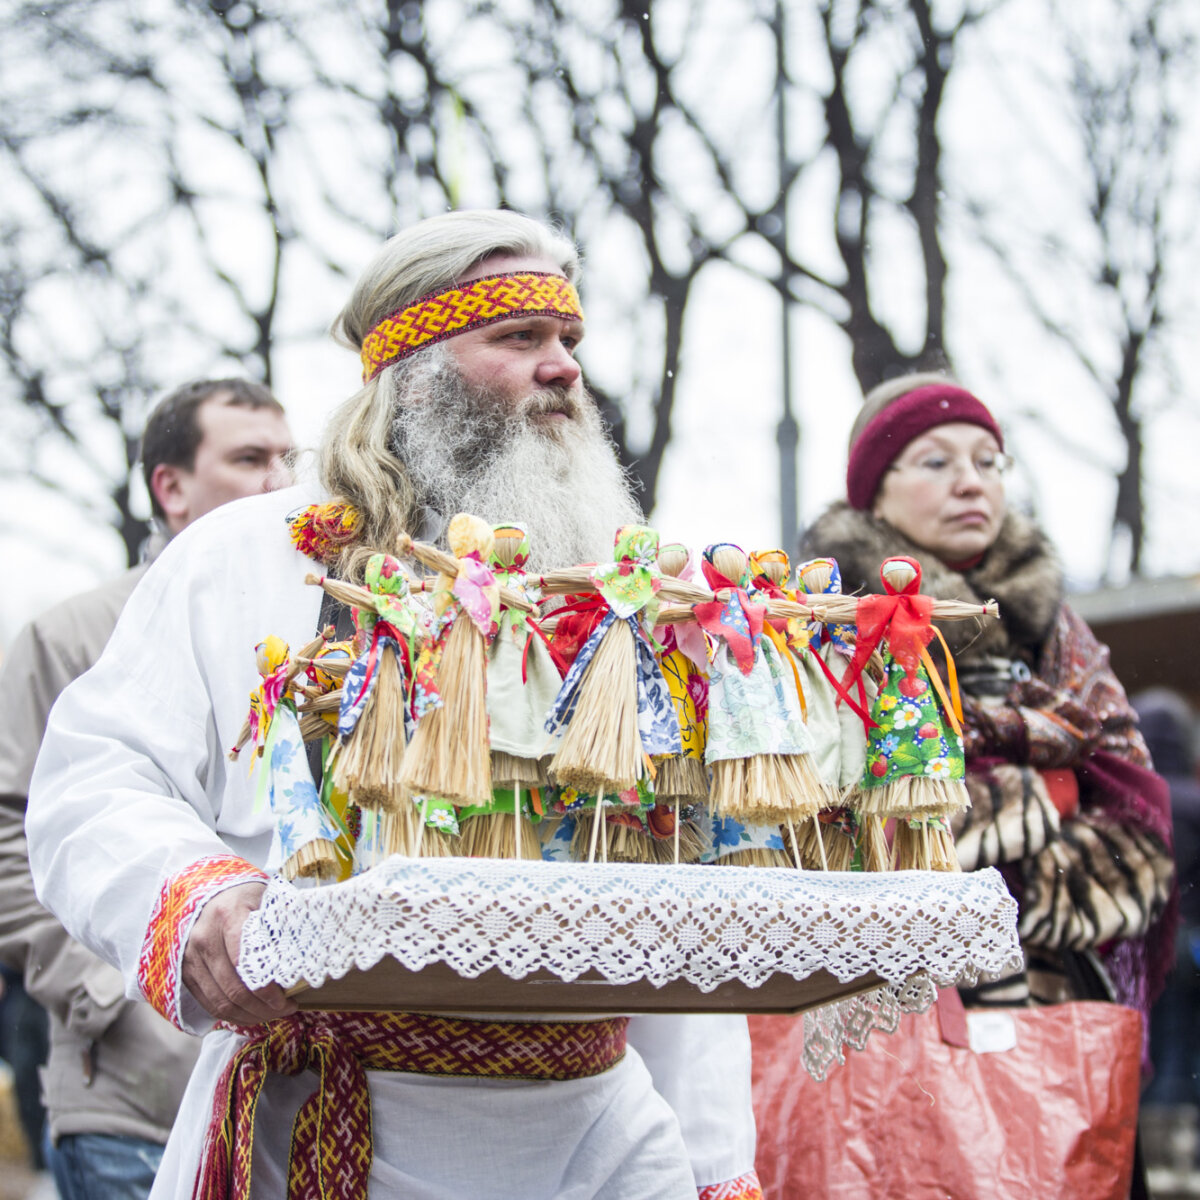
pixel 710 614
pixel 574 623
pixel 560 664
pixel 904 618
pixel 385 629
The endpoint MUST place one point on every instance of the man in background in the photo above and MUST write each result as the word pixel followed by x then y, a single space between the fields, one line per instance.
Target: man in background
pixel 116 1069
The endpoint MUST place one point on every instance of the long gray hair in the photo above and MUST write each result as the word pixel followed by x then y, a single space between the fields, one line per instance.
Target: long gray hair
pixel 355 461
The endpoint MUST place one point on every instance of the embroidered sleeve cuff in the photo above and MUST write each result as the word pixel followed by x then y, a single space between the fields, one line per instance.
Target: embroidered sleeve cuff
pixel 744 1187
pixel 179 902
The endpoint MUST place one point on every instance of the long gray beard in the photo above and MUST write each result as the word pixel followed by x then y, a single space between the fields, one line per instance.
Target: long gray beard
pixel 468 451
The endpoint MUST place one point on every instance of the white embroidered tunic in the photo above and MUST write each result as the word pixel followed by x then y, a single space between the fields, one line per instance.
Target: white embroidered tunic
pixel 137 817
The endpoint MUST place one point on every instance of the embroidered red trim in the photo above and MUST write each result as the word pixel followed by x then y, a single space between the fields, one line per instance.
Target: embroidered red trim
pixel 178 902
pixel 744 1187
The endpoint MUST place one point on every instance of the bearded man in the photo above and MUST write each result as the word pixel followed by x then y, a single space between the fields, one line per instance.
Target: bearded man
pixel 150 847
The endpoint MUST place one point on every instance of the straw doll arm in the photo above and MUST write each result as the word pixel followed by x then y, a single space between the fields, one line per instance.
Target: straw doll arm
pixel 835 609
pixel 680 613
pixel 826 609
pixel 296 664
pixel 446 564
pixel 572 580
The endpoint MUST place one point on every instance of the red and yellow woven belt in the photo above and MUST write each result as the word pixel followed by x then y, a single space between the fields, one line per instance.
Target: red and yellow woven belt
pixel 331 1138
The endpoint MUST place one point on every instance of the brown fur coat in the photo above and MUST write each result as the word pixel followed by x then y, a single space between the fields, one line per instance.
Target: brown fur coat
pixel 1039 697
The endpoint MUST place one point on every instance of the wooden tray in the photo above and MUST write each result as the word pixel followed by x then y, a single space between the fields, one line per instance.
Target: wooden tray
pixel 389 986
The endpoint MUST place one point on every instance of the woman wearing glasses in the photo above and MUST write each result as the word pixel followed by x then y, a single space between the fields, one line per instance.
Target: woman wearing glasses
pixel 1063 799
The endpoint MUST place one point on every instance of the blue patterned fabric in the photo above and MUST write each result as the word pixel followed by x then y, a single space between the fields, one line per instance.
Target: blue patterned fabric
pixel 729 835
pixel 658 725
pixel 300 817
pixel 557 847
pixel 840 635
pixel 354 694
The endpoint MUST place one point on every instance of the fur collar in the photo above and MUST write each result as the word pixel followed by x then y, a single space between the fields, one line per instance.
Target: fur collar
pixel 1020 571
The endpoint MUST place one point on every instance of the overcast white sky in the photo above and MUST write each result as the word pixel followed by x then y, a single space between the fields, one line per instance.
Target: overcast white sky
pixel 720 477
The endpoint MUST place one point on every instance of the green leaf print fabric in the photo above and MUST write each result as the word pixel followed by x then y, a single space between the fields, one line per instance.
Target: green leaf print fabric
pixel 912 737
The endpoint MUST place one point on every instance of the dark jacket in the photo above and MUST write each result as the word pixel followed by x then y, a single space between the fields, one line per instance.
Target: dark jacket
pixel 115 1066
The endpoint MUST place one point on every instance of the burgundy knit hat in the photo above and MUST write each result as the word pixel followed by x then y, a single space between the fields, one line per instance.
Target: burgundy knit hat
pixel 905 418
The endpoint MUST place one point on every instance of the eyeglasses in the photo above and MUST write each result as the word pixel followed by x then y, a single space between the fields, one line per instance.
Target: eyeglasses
pixel 987 465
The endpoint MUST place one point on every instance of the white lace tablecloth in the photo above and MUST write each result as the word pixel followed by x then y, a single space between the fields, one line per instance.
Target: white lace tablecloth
pixel 914 930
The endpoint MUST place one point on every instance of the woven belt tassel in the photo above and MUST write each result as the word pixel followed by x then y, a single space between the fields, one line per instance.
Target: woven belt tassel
pixel 331 1137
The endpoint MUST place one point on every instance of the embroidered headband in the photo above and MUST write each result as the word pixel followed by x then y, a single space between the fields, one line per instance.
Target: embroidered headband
pixel 905 418
pixel 456 310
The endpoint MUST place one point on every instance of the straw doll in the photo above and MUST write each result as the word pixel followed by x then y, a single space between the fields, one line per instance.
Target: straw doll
pixel 373 724
pixel 523 674
pixel 449 755
pixel 374 721
pixel 914 755
pixel 614 708
pixel 318 693
pixel 684 663
pixel 681 780
pixel 758 747
pixel 813 845
pixel 850 840
pixel 522 681
pixel 304 842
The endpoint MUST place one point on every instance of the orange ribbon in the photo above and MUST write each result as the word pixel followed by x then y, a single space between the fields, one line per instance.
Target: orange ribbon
pixel 952 704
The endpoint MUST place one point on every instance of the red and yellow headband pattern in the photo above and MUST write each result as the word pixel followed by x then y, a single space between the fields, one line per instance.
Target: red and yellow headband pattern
pixel 444 314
